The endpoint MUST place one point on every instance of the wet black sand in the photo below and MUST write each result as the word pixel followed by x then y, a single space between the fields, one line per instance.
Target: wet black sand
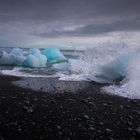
pixel 85 115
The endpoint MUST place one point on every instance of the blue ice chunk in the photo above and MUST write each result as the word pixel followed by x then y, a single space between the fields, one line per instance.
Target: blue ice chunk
pixel 32 61
pixel 118 67
pixel 18 60
pixel 14 58
pixel 31 58
pixel 6 59
pixel 25 53
pixel 34 51
pixel 18 56
pixel 53 55
pixel 25 63
pixel 62 66
pixel 16 51
pixel 35 61
pixel 42 59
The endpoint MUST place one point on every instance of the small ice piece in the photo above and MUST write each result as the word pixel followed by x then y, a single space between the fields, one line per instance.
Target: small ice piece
pixel 34 51
pixel 53 55
pixel 42 59
pixel 99 79
pixel 118 67
pixel 6 59
pixel 25 53
pixel 62 66
pixel 18 60
pixel 35 61
pixel 16 51
pixel 32 61
pixel 18 57
pixel 15 57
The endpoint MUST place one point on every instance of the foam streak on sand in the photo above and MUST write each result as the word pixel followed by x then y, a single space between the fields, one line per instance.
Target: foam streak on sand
pixel 18 72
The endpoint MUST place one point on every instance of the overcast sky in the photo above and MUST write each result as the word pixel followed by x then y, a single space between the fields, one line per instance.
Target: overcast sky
pixel 41 22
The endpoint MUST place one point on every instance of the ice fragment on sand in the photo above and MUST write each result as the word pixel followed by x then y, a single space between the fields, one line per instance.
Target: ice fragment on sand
pixel 15 57
pixel 31 58
pixel 34 51
pixel 118 67
pixel 53 55
pixel 62 66
pixel 35 59
pixel 18 57
pixel 6 59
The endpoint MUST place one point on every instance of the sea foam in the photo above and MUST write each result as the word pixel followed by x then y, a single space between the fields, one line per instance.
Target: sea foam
pixel 130 86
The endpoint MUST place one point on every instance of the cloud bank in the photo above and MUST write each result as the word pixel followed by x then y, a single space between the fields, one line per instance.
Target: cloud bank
pixel 36 21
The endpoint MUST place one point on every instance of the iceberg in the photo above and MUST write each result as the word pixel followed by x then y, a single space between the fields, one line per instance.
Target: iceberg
pixel 32 58
pixel 53 55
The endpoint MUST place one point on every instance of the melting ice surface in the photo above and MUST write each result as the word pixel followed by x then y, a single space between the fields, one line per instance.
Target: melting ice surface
pixel 102 64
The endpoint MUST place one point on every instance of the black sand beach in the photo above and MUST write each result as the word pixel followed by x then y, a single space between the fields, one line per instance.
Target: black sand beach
pixel 84 115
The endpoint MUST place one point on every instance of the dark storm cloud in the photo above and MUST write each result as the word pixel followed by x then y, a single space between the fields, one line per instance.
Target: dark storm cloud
pixel 115 13
pixel 91 30
pixel 55 9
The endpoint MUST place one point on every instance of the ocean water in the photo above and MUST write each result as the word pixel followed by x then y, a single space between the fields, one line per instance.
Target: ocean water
pixel 85 65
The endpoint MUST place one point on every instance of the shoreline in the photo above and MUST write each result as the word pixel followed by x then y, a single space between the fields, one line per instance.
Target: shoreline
pixel 85 114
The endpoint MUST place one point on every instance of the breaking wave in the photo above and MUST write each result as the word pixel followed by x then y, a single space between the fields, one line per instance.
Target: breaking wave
pixel 109 62
pixel 130 86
